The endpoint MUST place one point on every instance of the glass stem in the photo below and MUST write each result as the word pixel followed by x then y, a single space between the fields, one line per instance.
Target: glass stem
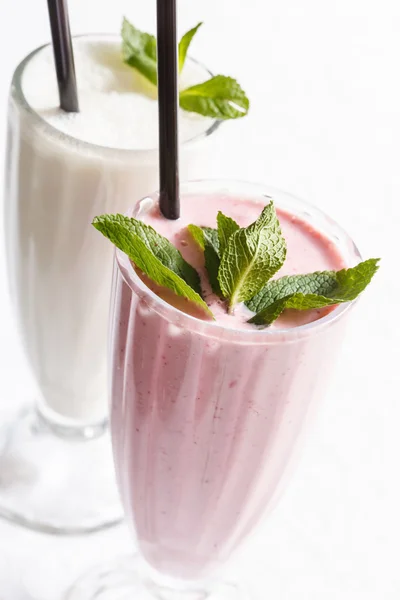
pixel 164 587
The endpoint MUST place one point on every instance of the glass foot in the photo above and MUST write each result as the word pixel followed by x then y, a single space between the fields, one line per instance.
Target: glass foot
pixel 127 579
pixel 54 483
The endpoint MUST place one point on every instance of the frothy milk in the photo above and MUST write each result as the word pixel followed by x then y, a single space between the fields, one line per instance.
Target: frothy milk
pixel 63 169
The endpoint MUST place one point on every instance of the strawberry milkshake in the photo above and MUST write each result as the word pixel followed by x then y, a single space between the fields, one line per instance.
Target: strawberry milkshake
pixel 206 415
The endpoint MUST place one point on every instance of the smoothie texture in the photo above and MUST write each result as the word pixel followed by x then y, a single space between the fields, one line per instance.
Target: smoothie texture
pixel 206 415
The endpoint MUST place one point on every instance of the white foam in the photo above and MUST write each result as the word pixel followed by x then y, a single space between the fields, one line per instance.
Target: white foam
pixel 118 107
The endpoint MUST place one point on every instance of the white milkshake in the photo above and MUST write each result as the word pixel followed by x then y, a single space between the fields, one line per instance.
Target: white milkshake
pixel 63 169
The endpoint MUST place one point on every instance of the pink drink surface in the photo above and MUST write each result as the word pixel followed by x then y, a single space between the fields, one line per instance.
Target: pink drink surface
pixel 204 419
pixel 307 250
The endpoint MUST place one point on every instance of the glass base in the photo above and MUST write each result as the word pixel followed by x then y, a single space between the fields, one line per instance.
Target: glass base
pixel 128 579
pixel 54 483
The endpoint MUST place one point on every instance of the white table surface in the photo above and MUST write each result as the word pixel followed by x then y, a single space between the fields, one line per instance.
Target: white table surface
pixel 323 78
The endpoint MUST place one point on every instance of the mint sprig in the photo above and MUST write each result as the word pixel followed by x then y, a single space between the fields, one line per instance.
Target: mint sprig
pixel 314 290
pixel 249 257
pixel 252 256
pixel 240 263
pixel 243 259
pixel 153 255
pixel 219 97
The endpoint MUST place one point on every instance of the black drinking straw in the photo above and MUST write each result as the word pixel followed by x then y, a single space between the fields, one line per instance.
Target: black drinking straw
pixel 168 108
pixel 63 55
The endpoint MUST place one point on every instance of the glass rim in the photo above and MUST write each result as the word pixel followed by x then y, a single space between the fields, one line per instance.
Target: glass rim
pixel 18 93
pixel 134 282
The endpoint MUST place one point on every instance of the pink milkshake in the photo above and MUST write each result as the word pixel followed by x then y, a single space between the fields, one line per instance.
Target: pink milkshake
pixel 206 414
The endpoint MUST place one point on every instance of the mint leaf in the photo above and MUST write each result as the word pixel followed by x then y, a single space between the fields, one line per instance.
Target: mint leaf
pixel 134 241
pixel 205 235
pixel 207 239
pixel 315 290
pixel 185 43
pixel 320 283
pixel 139 50
pixel 198 235
pixel 163 250
pixel 226 226
pixel 220 97
pixel 252 256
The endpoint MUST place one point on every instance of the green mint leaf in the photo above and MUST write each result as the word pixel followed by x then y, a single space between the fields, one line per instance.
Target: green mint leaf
pixel 220 98
pixel 252 256
pixel 185 43
pixel 207 239
pixel 139 50
pixel 163 250
pixel 315 290
pixel 226 226
pixel 320 283
pixel 135 242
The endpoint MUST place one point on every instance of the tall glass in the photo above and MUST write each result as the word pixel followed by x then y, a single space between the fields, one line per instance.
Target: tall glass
pixel 205 422
pixel 56 467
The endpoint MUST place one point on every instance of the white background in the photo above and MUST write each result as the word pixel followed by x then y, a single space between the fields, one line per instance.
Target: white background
pixel 323 78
